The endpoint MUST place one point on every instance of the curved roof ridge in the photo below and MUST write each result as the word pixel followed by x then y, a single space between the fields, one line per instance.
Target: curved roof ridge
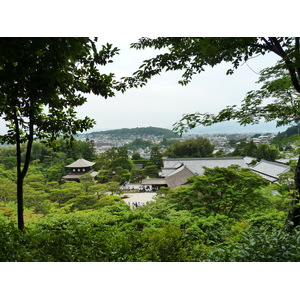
pixel 182 159
pixel 80 163
pixel 272 162
pixel 191 170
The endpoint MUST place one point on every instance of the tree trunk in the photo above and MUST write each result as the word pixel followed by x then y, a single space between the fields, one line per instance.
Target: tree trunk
pixel 21 173
pixel 20 179
pixel 20 202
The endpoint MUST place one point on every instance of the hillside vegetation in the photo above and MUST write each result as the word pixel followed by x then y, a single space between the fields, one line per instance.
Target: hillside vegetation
pixel 138 131
pixel 287 133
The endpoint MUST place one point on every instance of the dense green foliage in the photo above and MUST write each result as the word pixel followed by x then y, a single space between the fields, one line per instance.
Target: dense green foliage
pixel 287 133
pixel 199 147
pixel 261 151
pixel 226 191
pixel 228 214
pixel 138 144
pixel 156 232
pixel 114 165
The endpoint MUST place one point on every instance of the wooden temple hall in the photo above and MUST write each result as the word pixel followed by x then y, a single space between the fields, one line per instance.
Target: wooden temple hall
pixel 79 168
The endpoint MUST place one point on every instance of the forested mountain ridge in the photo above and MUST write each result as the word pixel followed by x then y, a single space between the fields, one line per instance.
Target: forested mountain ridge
pixel 287 133
pixel 138 131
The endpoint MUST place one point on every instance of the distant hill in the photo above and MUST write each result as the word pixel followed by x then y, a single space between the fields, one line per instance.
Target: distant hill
pixel 231 127
pixel 287 133
pixel 139 132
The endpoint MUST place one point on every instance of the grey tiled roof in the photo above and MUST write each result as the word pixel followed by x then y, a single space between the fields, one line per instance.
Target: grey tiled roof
pixel 166 171
pixel 249 159
pixel 72 176
pixel 176 176
pixel 94 173
pixel 196 164
pixel 286 160
pixel 150 181
pixel 76 176
pixel 179 177
pixel 265 176
pixel 269 168
pixel 80 163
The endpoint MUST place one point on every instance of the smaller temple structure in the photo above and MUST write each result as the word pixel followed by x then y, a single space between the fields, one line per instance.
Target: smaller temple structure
pixel 79 168
pixel 153 184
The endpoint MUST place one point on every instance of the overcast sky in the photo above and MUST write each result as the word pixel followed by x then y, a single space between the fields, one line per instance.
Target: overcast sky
pixel 163 101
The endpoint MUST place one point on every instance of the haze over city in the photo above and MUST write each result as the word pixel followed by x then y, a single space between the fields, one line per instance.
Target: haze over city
pixel 162 102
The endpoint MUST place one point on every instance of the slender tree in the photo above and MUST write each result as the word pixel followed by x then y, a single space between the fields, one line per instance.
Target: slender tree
pixel 42 81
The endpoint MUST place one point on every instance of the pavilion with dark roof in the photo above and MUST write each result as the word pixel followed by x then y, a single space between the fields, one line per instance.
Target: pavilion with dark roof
pixel 79 168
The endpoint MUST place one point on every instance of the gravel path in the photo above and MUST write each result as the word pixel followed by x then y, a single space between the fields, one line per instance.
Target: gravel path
pixel 138 197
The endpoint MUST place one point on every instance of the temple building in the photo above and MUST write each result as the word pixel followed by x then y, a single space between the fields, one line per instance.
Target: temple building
pixel 79 168
pixel 176 171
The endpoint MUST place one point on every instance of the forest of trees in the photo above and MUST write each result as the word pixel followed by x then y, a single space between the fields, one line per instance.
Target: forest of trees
pixel 199 147
pixel 261 151
pixel 228 214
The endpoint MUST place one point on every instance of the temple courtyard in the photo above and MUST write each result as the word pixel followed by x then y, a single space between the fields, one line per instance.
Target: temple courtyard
pixel 141 198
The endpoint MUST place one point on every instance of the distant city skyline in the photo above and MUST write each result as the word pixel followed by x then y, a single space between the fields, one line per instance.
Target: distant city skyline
pixel 222 128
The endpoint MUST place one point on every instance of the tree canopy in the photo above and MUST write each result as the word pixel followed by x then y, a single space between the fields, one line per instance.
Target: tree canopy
pixel 225 191
pixel 199 147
